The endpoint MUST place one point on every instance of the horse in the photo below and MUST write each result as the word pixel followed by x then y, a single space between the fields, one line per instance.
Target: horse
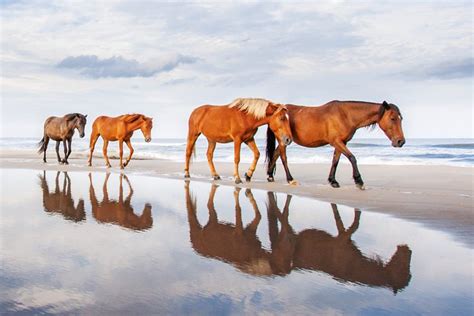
pixel 237 122
pixel 119 211
pixel 61 129
pixel 61 201
pixel 335 123
pixel 119 128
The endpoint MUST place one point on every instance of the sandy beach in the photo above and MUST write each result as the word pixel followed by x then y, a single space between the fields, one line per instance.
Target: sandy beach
pixel 438 196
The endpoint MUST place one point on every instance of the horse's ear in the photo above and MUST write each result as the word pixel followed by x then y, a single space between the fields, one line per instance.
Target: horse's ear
pixel 385 105
pixel 85 116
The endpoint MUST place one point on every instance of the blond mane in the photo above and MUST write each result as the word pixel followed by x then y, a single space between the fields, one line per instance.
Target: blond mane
pixel 253 106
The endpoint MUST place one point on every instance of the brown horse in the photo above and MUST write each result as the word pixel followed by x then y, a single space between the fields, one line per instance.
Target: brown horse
pixel 62 129
pixel 237 122
pixel 119 211
pixel 61 201
pixel 335 123
pixel 119 128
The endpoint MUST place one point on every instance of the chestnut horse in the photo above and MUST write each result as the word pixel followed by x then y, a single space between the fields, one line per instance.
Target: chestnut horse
pixel 62 129
pixel 119 128
pixel 335 123
pixel 237 122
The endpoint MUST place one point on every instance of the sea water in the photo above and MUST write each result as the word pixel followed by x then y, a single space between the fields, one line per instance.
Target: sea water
pixel 453 152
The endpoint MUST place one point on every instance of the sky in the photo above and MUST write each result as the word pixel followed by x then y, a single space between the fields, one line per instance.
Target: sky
pixel 163 59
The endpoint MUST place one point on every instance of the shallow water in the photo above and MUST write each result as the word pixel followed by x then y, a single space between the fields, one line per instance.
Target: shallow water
pixel 95 244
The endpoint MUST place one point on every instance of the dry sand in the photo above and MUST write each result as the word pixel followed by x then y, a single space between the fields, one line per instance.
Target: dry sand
pixel 438 196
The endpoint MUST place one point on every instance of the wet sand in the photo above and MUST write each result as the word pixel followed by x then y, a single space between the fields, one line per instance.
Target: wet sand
pixel 438 196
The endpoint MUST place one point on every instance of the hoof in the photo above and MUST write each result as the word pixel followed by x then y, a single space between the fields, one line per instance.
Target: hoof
pixel 186 176
pixel 238 181
pixel 108 166
pixel 216 177
pixel 122 167
pixel 65 162
pixel 44 161
pixel 361 186
pixel 271 179
pixel 248 193
pixel 293 182
pixel 247 178
pixel 334 184
pixel 89 164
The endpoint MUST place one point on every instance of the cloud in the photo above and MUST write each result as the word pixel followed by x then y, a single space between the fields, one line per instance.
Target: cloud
pixel 119 67
pixel 451 70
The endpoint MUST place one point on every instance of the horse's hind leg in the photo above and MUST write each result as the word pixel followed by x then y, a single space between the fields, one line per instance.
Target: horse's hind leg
pixel 94 137
pixel 210 155
pixel 256 155
pixel 46 142
pixel 332 172
pixel 57 151
pixel 192 137
pixel 237 145
pixel 272 165
pixel 104 151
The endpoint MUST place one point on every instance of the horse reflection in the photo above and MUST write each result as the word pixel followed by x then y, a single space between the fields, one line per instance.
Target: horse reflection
pixel 228 242
pixel 338 255
pixel 61 201
pixel 310 249
pixel 119 211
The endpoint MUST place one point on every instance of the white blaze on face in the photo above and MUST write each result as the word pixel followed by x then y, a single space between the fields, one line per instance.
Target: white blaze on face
pixel 287 116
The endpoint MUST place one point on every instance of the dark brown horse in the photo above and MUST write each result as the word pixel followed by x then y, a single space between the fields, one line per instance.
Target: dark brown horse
pixel 236 122
pixel 61 129
pixel 335 123
pixel 119 128
pixel 338 256
pixel 119 211
pixel 60 201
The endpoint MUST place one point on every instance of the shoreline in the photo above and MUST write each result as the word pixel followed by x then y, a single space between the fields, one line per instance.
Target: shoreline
pixel 440 197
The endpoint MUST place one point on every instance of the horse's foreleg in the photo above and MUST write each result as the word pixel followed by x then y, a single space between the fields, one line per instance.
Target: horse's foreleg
pixel 339 145
pixel 94 137
pixel 210 155
pixel 272 165
pixel 129 145
pixel 284 160
pixel 189 151
pixel 69 148
pixel 57 151
pixel 237 145
pixel 332 173
pixel 121 153
pixel 65 152
pixel 256 154
pixel 104 151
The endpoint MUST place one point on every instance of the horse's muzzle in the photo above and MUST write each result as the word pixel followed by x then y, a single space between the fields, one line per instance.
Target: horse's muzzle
pixel 82 135
pixel 148 139
pixel 286 140
pixel 398 142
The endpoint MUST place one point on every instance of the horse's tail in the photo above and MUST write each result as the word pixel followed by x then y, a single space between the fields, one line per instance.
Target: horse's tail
pixel 270 149
pixel 42 146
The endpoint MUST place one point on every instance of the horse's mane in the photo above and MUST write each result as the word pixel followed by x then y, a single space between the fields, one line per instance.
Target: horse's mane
pixel 253 106
pixel 72 116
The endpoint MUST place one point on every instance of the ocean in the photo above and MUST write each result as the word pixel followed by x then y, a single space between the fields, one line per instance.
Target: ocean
pixel 452 152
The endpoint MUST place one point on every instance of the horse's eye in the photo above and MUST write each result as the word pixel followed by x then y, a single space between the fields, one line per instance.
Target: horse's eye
pixel 393 119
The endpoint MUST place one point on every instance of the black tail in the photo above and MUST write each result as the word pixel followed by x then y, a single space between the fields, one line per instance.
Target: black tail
pixel 270 150
pixel 41 145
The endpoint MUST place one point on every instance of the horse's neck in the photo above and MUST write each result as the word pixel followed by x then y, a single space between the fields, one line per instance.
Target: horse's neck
pixel 134 125
pixel 364 113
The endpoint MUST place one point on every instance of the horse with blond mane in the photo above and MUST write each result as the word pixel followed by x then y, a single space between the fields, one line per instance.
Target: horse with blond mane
pixel 335 123
pixel 237 122
pixel 119 128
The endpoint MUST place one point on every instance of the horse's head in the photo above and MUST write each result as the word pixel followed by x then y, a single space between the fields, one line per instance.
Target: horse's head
pixel 279 123
pixel 79 122
pixel 146 127
pixel 391 123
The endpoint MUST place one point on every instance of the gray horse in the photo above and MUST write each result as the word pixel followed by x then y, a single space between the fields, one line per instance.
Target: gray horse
pixel 62 129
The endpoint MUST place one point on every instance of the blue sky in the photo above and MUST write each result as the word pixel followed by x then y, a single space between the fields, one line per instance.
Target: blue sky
pixel 164 59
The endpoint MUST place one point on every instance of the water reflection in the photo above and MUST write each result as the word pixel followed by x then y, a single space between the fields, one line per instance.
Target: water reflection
pixel 311 249
pixel 119 211
pixel 60 200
